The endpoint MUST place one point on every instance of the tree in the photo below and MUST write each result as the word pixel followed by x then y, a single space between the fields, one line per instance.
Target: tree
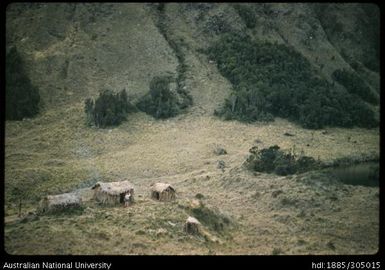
pixel 89 110
pixel 355 85
pixel 273 159
pixel 160 102
pixel 109 109
pixel 247 15
pixel 21 98
pixel 274 80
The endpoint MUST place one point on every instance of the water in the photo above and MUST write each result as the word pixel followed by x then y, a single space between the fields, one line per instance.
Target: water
pixel 363 174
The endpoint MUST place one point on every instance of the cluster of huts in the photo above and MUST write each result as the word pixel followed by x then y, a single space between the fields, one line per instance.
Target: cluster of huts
pixel 108 193
pixel 113 193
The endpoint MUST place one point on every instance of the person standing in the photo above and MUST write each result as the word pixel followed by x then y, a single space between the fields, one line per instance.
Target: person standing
pixel 127 199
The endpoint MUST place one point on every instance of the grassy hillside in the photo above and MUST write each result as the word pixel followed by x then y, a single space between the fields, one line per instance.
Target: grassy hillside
pixel 73 51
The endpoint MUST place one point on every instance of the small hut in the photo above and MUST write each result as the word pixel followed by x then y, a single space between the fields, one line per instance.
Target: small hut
pixel 192 226
pixel 54 203
pixel 162 192
pixel 113 193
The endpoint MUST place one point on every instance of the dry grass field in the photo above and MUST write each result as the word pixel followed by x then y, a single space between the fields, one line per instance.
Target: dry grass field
pixel 267 212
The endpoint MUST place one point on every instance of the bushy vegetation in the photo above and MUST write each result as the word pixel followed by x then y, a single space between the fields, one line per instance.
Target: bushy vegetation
pixel 216 221
pixel 371 29
pixel 355 85
pixel 366 31
pixel 247 14
pixel 246 105
pixel 272 79
pixel 21 98
pixel 185 99
pixel 160 102
pixel 217 24
pixel 109 109
pixel 274 160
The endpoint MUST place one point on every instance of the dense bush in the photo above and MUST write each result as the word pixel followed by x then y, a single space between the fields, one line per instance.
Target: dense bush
pixel 371 29
pixel 274 80
pixel 305 163
pixel 185 99
pixel 160 102
pixel 21 98
pixel 365 34
pixel 109 109
pixel 273 159
pixel 247 15
pixel 355 85
pixel 217 24
pixel 246 105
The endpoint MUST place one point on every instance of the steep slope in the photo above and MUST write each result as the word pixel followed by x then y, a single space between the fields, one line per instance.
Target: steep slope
pixel 73 51
pixel 77 50
pixel 359 42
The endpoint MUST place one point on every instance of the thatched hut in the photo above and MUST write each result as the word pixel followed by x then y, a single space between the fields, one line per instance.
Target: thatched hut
pixel 113 193
pixel 162 192
pixel 53 203
pixel 192 226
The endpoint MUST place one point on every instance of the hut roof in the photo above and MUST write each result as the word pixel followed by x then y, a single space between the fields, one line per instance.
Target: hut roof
pixel 114 188
pixel 63 199
pixel 159 187
pixel 192 220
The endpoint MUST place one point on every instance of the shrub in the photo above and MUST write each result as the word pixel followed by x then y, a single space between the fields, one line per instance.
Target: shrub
pixel 21 98
pixel 217 24
pixel 274 80
pixel 109 109
pixel 210 218
pixel 284 164
pixel 160 102
pixel 160 7
pixel 366 31
pixel 355 85
pixel 371 29
pixel 276 251
pixel 247 15
pixel 220 150
pixel 265 159
pixel 273 159
pixel 185 99
pixel 305 163
pixel 246 105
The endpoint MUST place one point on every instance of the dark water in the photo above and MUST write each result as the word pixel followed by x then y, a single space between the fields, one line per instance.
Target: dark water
pixel 363 174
